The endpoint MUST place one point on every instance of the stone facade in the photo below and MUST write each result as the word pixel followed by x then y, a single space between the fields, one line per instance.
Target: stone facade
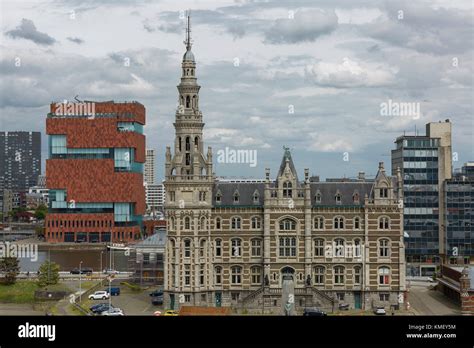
pixel 279 245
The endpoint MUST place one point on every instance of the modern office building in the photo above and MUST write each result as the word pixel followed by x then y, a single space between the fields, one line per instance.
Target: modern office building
pixel 459 216
pixel 277 245
pixel 425 163
pixel 20 159
pixel 150 167
pixel 155 197
pixel 95 172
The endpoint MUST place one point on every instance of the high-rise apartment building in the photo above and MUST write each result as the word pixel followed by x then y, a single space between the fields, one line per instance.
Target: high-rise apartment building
pixel 150 167
pixel 95 172
pixel 155 197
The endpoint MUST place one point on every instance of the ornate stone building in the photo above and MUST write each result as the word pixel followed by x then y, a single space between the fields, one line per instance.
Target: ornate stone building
pixel 278 245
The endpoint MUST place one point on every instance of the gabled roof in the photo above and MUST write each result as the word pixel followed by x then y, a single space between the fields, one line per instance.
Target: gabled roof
pixel 287 157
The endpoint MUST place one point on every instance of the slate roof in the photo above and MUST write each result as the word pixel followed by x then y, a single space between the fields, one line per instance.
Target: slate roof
pixel 328 191
pixel 245 190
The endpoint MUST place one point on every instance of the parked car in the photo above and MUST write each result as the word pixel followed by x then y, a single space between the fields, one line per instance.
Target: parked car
pixel 113 312
pixel 157 300
pixel 110 271
pixel 99 295
pixel 343 306
pixel 156 293
pixel 314 312
pixel 100 307
pixel 379 310
pixel 113 291
pixel 81 271
pixel 170 313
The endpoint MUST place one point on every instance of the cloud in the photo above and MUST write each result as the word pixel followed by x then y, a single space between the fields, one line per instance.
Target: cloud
pixel 350 74
pixel 307 25
pixel 76 40
pixel 27 30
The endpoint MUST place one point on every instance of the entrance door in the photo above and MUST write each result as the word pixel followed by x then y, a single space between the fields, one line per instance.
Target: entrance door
pixel 357 300
pixel 218 299
pixel 171 301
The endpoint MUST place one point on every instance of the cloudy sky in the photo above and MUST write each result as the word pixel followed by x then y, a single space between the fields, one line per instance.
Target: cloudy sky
pixel 310 75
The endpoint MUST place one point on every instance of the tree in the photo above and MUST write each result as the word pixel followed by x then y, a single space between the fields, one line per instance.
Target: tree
pixel 41 211
pixel 48 274
pixel 9 268
pixel 39 231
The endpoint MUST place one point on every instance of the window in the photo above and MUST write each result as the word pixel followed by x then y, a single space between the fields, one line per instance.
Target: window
pixel 384 248
pixel 218 223
pixel 339 275
pixel 256 247
pixel 256 197
pixel 287 189
pixel 355 198
pixel 339 247
pixel 202 248
pixel 319 275
pixel 287 246
pixel 256 273
pixel 384 193
pixel 202 225
pixel 172 196
pixel 236 275
pixel 384 275
pixel 236 247
pixel 384 223
pixel 319 223
pixel 338 223
pixel 187 248
pixel 256 222
pixel 236 197
pixel 287 225
pixel 187 223
pixel 384 297
pixel 218 275
pixel 218 247
pixel 218 197
pixel 187 275
pixel 357 223
pixel 338 198
pixel 235 296
pixel 318 247
pixel 188 143
pixel 202 196
pixel 340 296
pixel 357 248
pixel 201 275
pixel 357 275
pixel 187 298
pixel 236 223
pixel 317 198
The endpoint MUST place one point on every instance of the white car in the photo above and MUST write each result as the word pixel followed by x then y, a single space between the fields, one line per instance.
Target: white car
pixel 379 311
pixel 110 271
pixel 112 312
pixel 99 295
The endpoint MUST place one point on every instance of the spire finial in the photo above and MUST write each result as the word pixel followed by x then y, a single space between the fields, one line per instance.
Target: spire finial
pixel 187 42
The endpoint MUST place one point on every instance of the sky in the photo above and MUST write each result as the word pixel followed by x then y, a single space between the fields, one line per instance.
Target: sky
pixel 310 75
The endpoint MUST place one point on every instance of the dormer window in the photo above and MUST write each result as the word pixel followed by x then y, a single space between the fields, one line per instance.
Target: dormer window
pixel 236 197
pixel 355 198
pixel 256 197
pixel 218 197
pixel 287 189
pixel 317 198
pixel 384 193
pixel 338 198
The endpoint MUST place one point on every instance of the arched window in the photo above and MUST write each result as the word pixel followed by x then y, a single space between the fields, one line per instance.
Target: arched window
pixel 256 247
pixel 187 248
pixel 202 224
pixel 338 223
pixel 218 223
pixel 202 248
pixel 384 275
pixel 188 144
pixel 236 223
pixel 384 223
pixel 357 273
pixel 357 223
pixel 338 275
pixel 187 223
pixel 218 248
pixel 319 223
pixel 218 275
pixel 287 189
pixel 339 247
pixel 172 226
pixel 194 101
pixel 256 273
pixel 384 248
pixel 357 248
pixel 287 225
pixel 319 247
pixel 318 277
pixel 173 249
pixel 236 247
pixel 236 275
pixel 188 101
pixel 256 222
pixel 196 142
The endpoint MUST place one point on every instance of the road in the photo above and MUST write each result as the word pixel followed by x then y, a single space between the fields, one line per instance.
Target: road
pixel 424 301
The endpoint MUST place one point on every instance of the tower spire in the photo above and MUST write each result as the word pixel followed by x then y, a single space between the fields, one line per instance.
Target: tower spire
pixel 187 42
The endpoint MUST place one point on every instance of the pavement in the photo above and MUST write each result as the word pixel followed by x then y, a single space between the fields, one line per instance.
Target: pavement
pixel 19 309
pixel 424 301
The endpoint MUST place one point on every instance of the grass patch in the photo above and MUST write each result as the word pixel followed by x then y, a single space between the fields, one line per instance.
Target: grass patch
pixel 74 311
pixel 20 292
pixel 132 287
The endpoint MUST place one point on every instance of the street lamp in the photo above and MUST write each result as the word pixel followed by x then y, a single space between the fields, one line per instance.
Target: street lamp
pixel 80 279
